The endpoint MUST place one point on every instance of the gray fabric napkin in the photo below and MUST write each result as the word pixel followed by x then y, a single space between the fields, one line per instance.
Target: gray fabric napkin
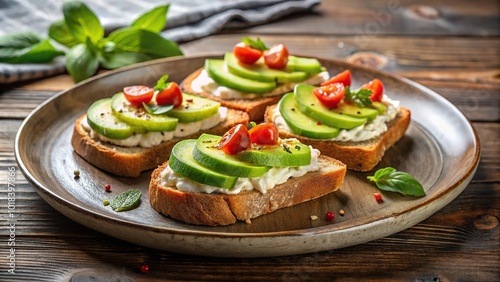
pixel 187 20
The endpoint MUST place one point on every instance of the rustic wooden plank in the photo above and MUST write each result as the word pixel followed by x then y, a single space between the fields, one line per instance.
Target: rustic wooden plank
pixel 382 17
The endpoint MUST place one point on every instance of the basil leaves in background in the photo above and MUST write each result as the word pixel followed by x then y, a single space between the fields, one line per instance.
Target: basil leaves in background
pixel 86 48
pixel 389 179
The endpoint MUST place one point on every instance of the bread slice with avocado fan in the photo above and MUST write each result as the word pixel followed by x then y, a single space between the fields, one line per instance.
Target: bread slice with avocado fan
pixel 131 161
pixel 358 156
pixel 216 209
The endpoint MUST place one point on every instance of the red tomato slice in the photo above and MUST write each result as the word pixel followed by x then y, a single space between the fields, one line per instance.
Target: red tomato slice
pixel 236 140
pixel 246 54
pixel 171 95
pixel 276 57
pixel 377 89
pixel 330 95
pixel 138 94
pixel 343 77
pixel 264 134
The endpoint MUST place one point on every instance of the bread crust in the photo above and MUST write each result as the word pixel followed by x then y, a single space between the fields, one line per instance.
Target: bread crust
pixel 358 156
pixel 221 209
pixel 254 107
pixel 131 161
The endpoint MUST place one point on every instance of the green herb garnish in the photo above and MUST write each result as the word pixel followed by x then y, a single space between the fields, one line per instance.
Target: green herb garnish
pixel 389 179
pixel 256 44
pixel 85 46
pixel 127 200
pixel 360 97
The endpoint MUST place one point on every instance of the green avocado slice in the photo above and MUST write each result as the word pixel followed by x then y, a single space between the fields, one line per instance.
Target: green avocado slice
pixel 182 162
pixel 290 153
pixel 206 153
pixel 101 119
pixel 301 124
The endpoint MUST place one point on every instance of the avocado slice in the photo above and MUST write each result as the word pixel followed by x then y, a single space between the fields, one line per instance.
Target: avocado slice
pixel 301 124
pixel 216 70
pixel 354 111
pixel 101 119
pixel 260 72
pixel 194 108
pixel 138 116
pixel 309 65
pixel 182 162
pixel 289 153
pixel 309 104
pixel 206 153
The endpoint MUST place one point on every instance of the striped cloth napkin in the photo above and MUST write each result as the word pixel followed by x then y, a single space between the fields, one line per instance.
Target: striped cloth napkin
pixel 187 20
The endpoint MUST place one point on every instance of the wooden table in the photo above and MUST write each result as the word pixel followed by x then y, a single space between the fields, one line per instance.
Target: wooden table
pixel 451 48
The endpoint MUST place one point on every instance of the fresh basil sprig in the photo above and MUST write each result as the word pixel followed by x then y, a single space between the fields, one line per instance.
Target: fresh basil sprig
pixel 155 109
pixel 256 44
pixel 389 179
pixel 87 47
pixel 360 97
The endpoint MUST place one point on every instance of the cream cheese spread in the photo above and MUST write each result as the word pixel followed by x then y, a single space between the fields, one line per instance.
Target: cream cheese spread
pixel 273 177
pixel 363 132
pixel 203 83
pixel 150 139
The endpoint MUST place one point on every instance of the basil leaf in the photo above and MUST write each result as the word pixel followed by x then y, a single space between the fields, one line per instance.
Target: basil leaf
pixel 26 47
pixel 118 60
pixel 162 83
pixel 133 39
pixel 82 22
pixel 155 109
pixel 81 62
pixel 127 200
pixel 256 44
pixel 389 179
pixel 360 97
pixel 153 20
pixel 59 31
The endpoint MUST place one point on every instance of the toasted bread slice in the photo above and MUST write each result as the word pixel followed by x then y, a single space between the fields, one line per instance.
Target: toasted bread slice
pixel 359 156
pixel 131 161
pixel 254 107
pixel 221 209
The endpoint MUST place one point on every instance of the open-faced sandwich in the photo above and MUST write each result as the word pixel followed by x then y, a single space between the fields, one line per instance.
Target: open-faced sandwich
pixel 135 130
pixel 353 126
pixel 253 76
pixel 216 180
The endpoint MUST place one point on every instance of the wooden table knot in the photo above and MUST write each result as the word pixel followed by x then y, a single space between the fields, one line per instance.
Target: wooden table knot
pixel 486 222
pixel 423 11
pixel 369 59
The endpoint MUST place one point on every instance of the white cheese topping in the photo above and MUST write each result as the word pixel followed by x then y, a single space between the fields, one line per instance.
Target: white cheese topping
pixel 150 139
pixel 273 177
pixel 203 83
pixel 363 132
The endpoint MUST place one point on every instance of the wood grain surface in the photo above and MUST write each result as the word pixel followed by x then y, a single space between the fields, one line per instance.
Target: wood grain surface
pixel 450 47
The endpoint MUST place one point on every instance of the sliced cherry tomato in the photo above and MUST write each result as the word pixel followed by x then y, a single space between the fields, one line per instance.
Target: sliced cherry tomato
pixel 236 140
pixel 276 57
pixel 138 94
pixel 330 95
pixel 264 134
pixel 170 95
pixel 343 77
pixel 246 54
pixel 377 89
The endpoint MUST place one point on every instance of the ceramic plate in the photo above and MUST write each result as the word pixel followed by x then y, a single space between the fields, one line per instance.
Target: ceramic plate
pixel 440 148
